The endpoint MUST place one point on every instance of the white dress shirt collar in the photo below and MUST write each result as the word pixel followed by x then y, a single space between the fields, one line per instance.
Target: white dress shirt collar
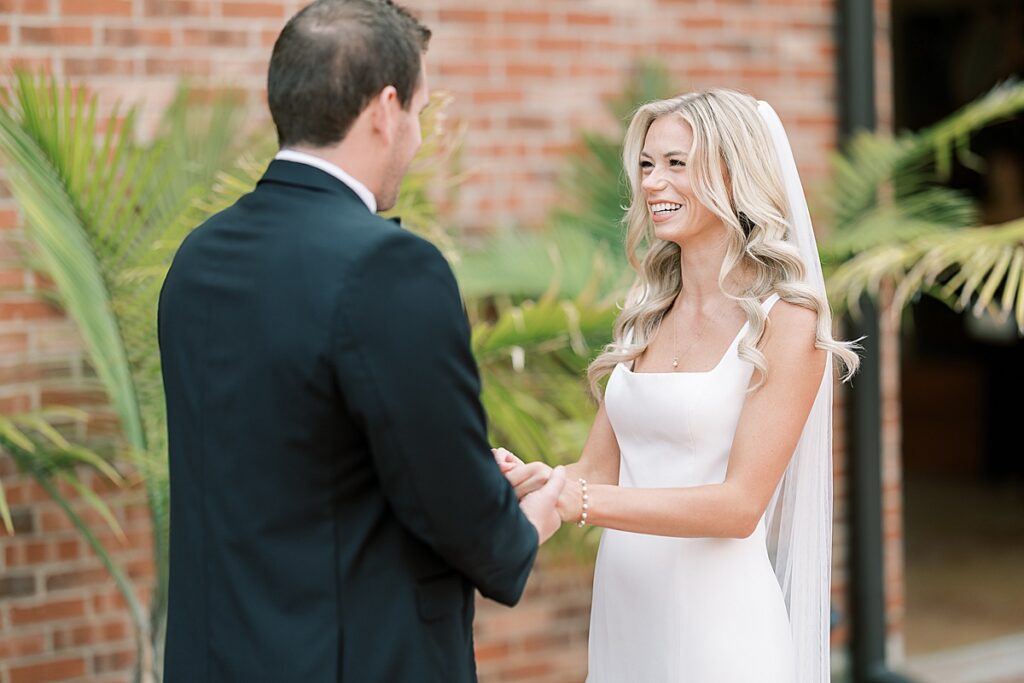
pixel 328 167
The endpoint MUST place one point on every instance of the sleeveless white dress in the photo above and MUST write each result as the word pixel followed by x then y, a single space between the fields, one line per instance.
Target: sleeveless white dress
pixel 700 610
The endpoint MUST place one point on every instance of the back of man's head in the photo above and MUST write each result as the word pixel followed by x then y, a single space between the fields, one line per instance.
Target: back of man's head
pixel 332 58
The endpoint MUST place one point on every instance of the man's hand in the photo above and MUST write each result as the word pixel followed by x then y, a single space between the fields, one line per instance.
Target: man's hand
pixel 540 505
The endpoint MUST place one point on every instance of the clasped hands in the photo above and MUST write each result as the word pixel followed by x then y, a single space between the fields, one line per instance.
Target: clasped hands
pixel 529 477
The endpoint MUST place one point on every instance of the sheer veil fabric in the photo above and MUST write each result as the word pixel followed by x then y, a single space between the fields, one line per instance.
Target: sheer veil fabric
pixel 799 516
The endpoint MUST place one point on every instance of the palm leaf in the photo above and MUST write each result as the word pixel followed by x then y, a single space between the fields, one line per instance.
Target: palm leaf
pixel 931 210
pixel 42 423
pixel 42 452
pixel 47 456
pixel 951 136
pixel 905 173
pixel 55 226
pixel 532 359
pixel 103 217
pixel 896 222
pixel 965 268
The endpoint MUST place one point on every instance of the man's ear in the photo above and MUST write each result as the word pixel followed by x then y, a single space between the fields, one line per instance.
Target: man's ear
pixel 383 112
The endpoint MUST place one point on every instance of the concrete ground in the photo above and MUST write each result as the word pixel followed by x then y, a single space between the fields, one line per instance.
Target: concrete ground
pixel 964 580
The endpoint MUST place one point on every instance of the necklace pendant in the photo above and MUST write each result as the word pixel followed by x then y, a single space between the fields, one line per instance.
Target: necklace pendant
pixel 675 362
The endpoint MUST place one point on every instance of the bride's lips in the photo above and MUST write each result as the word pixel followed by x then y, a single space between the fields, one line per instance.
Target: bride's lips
pixel 661 217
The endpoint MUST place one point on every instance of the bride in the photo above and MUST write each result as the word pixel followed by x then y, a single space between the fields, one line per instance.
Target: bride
pixel 709 461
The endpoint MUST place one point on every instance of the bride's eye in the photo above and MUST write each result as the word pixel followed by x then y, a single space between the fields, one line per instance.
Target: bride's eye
pixel 677 162
pixel 646 166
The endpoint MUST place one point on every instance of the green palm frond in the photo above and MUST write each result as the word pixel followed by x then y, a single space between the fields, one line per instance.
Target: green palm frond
pixel 44 150
pixel 929 211
pixel 545 325
pixel 42 423
pixel 228 186
pixel 980 268
pixel 533 357
pixel 869 161
pixel 951 136
pixel 878 168
pixel 595 190
pixel 895 221
pixel 44 454
pixel 104 214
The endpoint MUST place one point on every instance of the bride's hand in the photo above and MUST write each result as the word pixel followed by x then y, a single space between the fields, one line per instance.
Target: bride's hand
pixel 506 460
pixel 525 478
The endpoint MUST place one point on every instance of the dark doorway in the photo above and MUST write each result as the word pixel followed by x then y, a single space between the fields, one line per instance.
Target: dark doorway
pixel 963 377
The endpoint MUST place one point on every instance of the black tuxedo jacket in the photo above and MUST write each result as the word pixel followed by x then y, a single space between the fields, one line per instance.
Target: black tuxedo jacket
pixel 334 498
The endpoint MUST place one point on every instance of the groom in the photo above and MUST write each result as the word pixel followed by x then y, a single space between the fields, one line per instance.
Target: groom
pixel 335 501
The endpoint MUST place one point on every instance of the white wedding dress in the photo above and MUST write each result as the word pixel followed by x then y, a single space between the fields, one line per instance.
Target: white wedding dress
pixel 695 610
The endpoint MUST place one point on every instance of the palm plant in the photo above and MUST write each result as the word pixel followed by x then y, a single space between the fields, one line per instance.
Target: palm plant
pixel 532 357
pixel 102 215
pixel 895 222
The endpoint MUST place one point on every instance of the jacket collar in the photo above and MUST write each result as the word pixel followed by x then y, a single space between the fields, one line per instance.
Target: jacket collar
pixel 292 173
pixel 282 172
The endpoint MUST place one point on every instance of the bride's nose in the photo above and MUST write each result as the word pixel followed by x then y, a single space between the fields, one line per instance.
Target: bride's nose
pixel 653 181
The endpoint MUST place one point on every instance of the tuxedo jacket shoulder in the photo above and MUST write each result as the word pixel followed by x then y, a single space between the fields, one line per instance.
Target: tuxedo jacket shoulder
pixel 334 497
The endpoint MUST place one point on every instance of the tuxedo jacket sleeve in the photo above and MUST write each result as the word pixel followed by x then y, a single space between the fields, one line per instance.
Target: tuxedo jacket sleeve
pixel 403 360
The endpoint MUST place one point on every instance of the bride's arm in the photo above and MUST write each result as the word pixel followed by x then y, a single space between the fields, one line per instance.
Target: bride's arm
pixel 769 427
pixel 599 460
pixel 598 463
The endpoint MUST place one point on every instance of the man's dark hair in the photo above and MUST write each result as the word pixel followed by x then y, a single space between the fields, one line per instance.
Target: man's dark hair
pixel 332 58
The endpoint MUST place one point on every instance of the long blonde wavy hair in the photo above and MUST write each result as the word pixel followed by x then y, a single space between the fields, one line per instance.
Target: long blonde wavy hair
pixel 733 172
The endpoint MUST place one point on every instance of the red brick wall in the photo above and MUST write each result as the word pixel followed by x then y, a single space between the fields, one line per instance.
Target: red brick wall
pixel 544 638
pixel 527 76
pixel 61 618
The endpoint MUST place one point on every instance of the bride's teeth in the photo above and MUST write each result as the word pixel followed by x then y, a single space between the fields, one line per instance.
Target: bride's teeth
pixel 657 208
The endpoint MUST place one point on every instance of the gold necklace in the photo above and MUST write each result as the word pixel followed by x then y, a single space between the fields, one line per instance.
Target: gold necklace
pixel 699 334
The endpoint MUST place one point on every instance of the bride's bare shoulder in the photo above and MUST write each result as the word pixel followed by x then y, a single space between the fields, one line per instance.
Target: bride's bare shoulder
pixel 791 333
pixel 794 316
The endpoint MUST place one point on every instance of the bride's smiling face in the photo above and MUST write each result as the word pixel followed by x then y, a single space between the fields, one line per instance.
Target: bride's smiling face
pixel 677 214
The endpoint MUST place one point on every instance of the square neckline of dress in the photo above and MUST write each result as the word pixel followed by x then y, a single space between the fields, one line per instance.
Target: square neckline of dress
pixel 768 303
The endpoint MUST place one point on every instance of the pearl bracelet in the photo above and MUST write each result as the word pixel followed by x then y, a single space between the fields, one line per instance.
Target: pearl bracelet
pixel 583 516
